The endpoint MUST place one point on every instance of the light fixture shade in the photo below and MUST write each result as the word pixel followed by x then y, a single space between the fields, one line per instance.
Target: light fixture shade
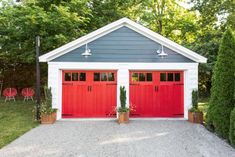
pixel 87 52
pixel 161 53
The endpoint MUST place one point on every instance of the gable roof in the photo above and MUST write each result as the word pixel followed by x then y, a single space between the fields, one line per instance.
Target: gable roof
pixel 114 26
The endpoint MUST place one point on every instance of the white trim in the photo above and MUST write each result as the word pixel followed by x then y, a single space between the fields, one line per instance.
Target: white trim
pixel 116 66
pixel 115 25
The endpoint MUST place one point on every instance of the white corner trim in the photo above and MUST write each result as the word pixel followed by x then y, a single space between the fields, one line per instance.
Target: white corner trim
pixel 115 25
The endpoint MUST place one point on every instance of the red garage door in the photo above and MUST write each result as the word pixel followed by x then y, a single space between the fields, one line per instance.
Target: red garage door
pixel 157 94
pixel 88 93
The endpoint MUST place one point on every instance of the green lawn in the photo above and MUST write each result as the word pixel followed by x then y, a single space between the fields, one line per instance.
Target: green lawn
pixel 16 118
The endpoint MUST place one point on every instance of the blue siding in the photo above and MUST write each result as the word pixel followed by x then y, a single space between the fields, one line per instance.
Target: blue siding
pixel 122 45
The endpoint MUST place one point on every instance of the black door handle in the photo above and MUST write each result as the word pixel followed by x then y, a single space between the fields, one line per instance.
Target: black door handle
pixel 90 88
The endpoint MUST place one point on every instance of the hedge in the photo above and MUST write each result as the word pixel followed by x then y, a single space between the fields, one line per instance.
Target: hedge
pixel 232 128
pixel 222 93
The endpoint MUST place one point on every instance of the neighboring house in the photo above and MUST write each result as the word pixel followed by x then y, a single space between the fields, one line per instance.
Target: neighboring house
pixel 159 75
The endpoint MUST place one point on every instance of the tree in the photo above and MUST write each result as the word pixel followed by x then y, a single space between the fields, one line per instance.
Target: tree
pixel 206 44
pixel 56 24
pixel 222 94
pixel 232 128
pixel 213 12
pixel 215 17
pixel 107 11
pixel 168 18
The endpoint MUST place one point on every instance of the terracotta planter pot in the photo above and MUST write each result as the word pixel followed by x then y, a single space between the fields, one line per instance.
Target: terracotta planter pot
pixel 123 117
pixel 48 118
pixel 195 117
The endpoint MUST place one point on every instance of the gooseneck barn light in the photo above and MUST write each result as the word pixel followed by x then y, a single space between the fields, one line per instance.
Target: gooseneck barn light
pixel 87 52
pixel 161 52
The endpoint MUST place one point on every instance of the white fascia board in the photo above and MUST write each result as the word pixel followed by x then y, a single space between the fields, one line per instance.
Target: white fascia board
pixel 118 65
pixel 115 25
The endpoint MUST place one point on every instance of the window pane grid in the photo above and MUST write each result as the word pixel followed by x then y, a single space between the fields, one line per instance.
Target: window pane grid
pixel 104 76
pixel 141 77
pixel 170 77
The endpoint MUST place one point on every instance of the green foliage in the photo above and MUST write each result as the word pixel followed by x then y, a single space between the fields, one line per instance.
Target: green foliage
pixel 232 128
pixel 56 23
pixel 194 102
pixel 123 96
pixel 46 105
pixel 166 17
pixel 195 98
pixel 215 17
pixel 210 11
pixel 123 107
pixel 222 94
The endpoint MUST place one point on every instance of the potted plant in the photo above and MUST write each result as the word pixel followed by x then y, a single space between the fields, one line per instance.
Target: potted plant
pixel 123 111
pixel 194 114
pixel 48 114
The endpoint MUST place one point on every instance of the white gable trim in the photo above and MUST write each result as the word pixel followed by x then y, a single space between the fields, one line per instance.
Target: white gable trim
pixel 114 26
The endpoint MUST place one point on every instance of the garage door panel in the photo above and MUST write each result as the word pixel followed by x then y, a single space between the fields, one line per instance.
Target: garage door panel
pixel 171 93
pixel 80 99
pixel 141 93
pixel 67 99
pixel 111 92
pixel 178 110
pixel 166 100
pixel 89 94
pixel 160 96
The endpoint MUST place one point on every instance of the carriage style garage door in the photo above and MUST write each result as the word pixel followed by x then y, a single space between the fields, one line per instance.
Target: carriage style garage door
pixel 88 93
pixel 157 93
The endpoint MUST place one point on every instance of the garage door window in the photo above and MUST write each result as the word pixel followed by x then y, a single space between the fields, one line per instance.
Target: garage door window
pixel 177 76
pixel 141 77
pixel 96 76
pixel 111 76
pixel 149 77
pixel 67 77
pixel 134 77
pixel 163 77
pixel 169 77
pixel 74 76
pixel 82 77
pixel 103 76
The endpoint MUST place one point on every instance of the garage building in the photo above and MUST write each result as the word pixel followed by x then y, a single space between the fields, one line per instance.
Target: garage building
pixel 159 74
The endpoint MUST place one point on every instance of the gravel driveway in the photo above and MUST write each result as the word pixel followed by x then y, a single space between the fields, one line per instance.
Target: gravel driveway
pixel 140 138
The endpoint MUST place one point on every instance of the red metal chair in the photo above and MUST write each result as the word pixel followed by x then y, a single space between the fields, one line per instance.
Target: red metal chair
pixel 10 94
pixel 28 93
